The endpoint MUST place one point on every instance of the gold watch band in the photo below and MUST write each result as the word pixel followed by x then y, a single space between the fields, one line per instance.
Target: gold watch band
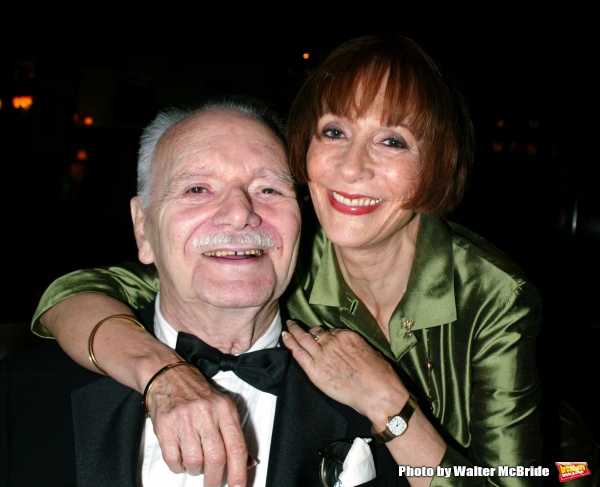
pixel 405 413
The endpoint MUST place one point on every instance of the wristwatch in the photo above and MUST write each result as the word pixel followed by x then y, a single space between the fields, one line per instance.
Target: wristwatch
pixel 397 424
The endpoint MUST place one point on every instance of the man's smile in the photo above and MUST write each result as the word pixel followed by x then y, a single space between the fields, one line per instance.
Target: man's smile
pixel 235 253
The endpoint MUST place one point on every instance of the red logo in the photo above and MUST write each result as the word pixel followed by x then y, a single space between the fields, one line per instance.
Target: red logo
pixel 572 470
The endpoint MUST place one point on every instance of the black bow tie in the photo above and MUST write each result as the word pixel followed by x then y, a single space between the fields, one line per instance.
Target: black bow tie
pixel 263 369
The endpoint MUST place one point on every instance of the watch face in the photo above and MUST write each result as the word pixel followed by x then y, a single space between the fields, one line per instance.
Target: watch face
pixel 396 425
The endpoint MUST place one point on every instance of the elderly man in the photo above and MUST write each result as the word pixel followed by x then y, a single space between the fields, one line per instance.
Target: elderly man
pixel 217 215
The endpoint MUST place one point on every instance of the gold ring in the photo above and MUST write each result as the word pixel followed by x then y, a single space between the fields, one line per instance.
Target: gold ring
pixel 317 335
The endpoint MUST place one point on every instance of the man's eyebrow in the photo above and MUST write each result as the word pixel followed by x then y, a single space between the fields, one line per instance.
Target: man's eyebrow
pixel 172 184
pixel 186 176
pixel 263 172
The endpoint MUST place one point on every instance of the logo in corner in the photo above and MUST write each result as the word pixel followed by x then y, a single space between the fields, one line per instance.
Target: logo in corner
pixel 572 470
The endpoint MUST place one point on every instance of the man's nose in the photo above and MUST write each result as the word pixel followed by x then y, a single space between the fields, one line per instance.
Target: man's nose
pixel 355 163
pixel 237 211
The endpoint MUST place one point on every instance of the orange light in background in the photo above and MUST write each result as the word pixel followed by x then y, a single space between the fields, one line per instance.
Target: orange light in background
pixel 75 117
pixel 497 147
pixel 531 149
pixel 306 55
pixel 534 124
pixel 513 145
pixel 81 155
pixel 88 121
pixel 22 102
pixel 0 104
pixel 500 123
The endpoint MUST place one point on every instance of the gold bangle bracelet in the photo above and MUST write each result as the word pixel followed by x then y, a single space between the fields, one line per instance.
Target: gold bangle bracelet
pixel 93 334
pixel 154 377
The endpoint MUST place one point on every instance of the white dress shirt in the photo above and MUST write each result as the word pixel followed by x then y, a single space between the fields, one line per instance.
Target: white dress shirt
pixel 256 410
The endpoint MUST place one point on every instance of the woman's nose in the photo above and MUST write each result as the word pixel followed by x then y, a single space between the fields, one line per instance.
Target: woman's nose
pixel 237 211
pixel 355 164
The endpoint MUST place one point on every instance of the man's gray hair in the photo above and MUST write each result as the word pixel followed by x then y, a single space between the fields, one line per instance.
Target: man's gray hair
pixel 152 134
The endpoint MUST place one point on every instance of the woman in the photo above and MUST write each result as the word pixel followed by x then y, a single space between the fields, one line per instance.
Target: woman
pixel 384 143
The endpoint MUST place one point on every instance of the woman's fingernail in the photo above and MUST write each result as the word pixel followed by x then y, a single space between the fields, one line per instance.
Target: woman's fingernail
pixel 284 334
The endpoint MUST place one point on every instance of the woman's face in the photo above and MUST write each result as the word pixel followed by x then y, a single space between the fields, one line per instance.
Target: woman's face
pixel 361 173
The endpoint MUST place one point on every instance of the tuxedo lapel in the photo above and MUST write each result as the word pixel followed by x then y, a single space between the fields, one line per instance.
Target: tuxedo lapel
pixel 304 423
pixel 108 421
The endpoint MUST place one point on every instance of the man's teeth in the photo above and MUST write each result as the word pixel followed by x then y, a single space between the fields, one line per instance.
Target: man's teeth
pixel 223 253
pixel 357 202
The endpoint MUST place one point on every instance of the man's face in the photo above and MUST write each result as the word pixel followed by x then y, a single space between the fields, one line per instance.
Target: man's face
pixel 220 174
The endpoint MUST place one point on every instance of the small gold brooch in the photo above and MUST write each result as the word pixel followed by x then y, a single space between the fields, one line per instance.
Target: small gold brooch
pixel 408 325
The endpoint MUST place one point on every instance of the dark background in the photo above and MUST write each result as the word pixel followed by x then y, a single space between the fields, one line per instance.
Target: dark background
pixel 531 85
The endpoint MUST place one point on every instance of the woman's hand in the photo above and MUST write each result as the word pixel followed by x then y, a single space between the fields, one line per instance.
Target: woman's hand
pixel 346 368
pixel 197 427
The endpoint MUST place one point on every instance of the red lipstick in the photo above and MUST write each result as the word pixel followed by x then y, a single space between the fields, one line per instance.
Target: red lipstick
pixel 352 210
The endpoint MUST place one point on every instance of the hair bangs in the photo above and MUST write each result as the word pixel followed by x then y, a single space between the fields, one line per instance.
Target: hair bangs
pixel 357 82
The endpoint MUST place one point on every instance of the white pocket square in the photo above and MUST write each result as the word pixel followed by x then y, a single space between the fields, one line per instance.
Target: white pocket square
pixel 359 466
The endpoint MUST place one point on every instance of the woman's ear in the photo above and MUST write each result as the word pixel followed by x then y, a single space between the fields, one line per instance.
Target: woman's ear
pixel 138 216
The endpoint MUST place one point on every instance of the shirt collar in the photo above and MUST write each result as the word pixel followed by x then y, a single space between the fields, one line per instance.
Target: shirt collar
pixel 429 299
pixel 331 290
pixel 168 335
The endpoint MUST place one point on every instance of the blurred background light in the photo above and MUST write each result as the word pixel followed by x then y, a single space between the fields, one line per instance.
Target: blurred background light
pixel 22 102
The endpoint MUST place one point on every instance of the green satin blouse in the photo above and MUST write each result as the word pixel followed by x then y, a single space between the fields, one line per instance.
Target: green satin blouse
pixel 473 313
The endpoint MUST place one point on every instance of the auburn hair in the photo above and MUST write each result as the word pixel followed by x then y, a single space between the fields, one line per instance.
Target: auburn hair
pixel 416 94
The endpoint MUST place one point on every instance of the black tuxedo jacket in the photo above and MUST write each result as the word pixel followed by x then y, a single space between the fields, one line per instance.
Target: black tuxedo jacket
pixel 64 425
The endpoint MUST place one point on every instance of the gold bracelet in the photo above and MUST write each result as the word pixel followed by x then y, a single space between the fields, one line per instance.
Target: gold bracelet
pixel 154 377
pixel 93 333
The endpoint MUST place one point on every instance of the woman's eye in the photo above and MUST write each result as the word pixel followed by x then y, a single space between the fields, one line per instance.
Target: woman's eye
pixel 395 142
pixel 197 189
pixel 333 133
pixel 269 191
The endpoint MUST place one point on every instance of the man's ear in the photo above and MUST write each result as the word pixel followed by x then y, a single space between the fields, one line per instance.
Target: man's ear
pixel 138 216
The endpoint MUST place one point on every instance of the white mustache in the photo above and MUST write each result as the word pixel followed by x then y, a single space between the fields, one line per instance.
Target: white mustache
pixel 253 239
